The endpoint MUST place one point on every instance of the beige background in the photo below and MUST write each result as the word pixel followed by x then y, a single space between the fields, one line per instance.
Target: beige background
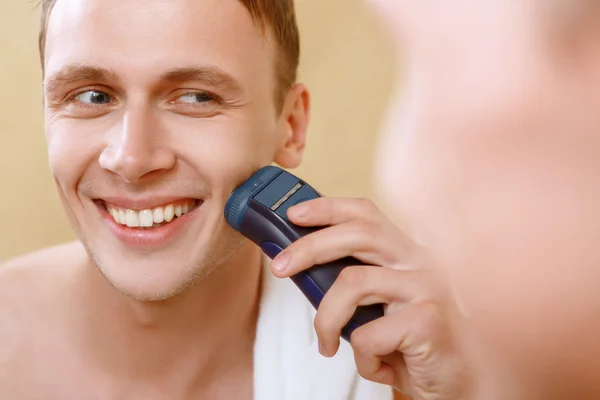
pixel 345 62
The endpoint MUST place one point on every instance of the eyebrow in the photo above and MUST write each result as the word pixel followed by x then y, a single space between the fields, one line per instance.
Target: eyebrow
pixel 75 73
pixel 207 74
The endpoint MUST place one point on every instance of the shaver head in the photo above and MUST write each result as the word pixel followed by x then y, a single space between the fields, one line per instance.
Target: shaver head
pixel 237 204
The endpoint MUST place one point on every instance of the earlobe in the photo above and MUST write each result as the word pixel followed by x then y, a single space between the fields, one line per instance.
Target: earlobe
pixel 293 124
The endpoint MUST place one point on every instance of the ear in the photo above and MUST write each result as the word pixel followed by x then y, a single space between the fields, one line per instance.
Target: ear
pixel 292 127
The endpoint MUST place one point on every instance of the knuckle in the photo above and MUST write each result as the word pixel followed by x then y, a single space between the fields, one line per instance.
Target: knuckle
pixel 366 204
pixel 322 328
pixel 366 372
pixel 363 227
pixel 363 340
pixel 369 207
pixel 365 235
pixel 303 245
pixel 429 321
pixel 366 231
pixel 324 204
pixel 304 249
pixel 352 276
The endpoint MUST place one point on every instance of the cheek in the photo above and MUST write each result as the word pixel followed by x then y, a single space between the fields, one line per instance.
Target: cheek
pixel 71 149
pixel 226 151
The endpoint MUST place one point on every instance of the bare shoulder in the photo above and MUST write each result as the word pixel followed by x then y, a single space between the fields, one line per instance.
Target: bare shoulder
pixel 36 275
pixel 33 294
pixel 31 282
pixel 29 286
pixel 46 258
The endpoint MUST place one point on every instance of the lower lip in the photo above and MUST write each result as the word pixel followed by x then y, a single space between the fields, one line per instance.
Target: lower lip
pixel 155 237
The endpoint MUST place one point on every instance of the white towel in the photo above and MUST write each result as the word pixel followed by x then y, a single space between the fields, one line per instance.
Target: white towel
pixel 287 363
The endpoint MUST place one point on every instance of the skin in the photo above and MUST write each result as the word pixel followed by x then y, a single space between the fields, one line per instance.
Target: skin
pixel 490 158
pixel 412 347
pixel 464 222
pixel 122 321
pixel 125 322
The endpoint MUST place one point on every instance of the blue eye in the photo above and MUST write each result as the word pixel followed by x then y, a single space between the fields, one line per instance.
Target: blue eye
pixel 93 97
pixel 196 97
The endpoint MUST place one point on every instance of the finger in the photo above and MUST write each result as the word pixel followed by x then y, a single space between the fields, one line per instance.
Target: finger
pixel 363 285
pixel 416 331
pixel 359 239
pixel 402 381
pixel 325 211
pixel 388 370
pixel 394 340
pixel 378 338
pixel 369 363
pixel 374 369
pixel 386 362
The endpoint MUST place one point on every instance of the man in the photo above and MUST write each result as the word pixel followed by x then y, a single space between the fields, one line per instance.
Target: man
pixel 490 156
pixel 155 112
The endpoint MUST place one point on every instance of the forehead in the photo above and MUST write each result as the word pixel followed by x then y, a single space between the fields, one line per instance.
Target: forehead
pixel 133 36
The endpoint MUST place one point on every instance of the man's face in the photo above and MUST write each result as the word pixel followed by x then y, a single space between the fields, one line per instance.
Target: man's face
pixel 490 157
pixel 155 112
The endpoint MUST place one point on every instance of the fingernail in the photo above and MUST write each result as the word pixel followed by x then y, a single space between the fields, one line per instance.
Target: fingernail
pixel 281 262
pixel 300 210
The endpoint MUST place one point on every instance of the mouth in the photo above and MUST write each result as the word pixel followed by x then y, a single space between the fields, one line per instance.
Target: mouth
pixel 149 218
pixel 149 225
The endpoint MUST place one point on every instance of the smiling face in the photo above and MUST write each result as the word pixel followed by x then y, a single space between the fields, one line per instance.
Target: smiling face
pixel 155 112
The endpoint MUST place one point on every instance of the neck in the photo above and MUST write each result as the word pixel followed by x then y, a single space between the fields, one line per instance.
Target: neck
pixel 195 338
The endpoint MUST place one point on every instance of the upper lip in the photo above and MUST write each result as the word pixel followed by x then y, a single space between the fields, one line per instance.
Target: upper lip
pixel 145 203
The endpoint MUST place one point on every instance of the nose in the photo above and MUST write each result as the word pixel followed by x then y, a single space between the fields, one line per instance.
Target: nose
pixel 139 148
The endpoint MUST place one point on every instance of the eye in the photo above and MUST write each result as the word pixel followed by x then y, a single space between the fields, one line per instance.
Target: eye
pixel 196 97
pixel 93 97
pixel 198 104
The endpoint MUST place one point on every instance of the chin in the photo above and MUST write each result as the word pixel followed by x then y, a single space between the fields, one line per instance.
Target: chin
pixel 153 278
pixel 159 261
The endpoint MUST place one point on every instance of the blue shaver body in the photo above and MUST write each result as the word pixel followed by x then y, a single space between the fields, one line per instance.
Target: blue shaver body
pixel 257 209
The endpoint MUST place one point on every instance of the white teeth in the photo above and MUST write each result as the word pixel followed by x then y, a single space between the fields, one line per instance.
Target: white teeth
pixel 169 213
pixel 158 216
pixel 147 218
pixel 122 217
pixel 115 215
pixel 133 220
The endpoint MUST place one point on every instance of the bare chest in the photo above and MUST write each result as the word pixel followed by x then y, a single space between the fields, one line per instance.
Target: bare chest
pixel 54 371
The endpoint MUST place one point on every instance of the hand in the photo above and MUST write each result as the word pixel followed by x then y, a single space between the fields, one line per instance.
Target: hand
pixel 411 348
